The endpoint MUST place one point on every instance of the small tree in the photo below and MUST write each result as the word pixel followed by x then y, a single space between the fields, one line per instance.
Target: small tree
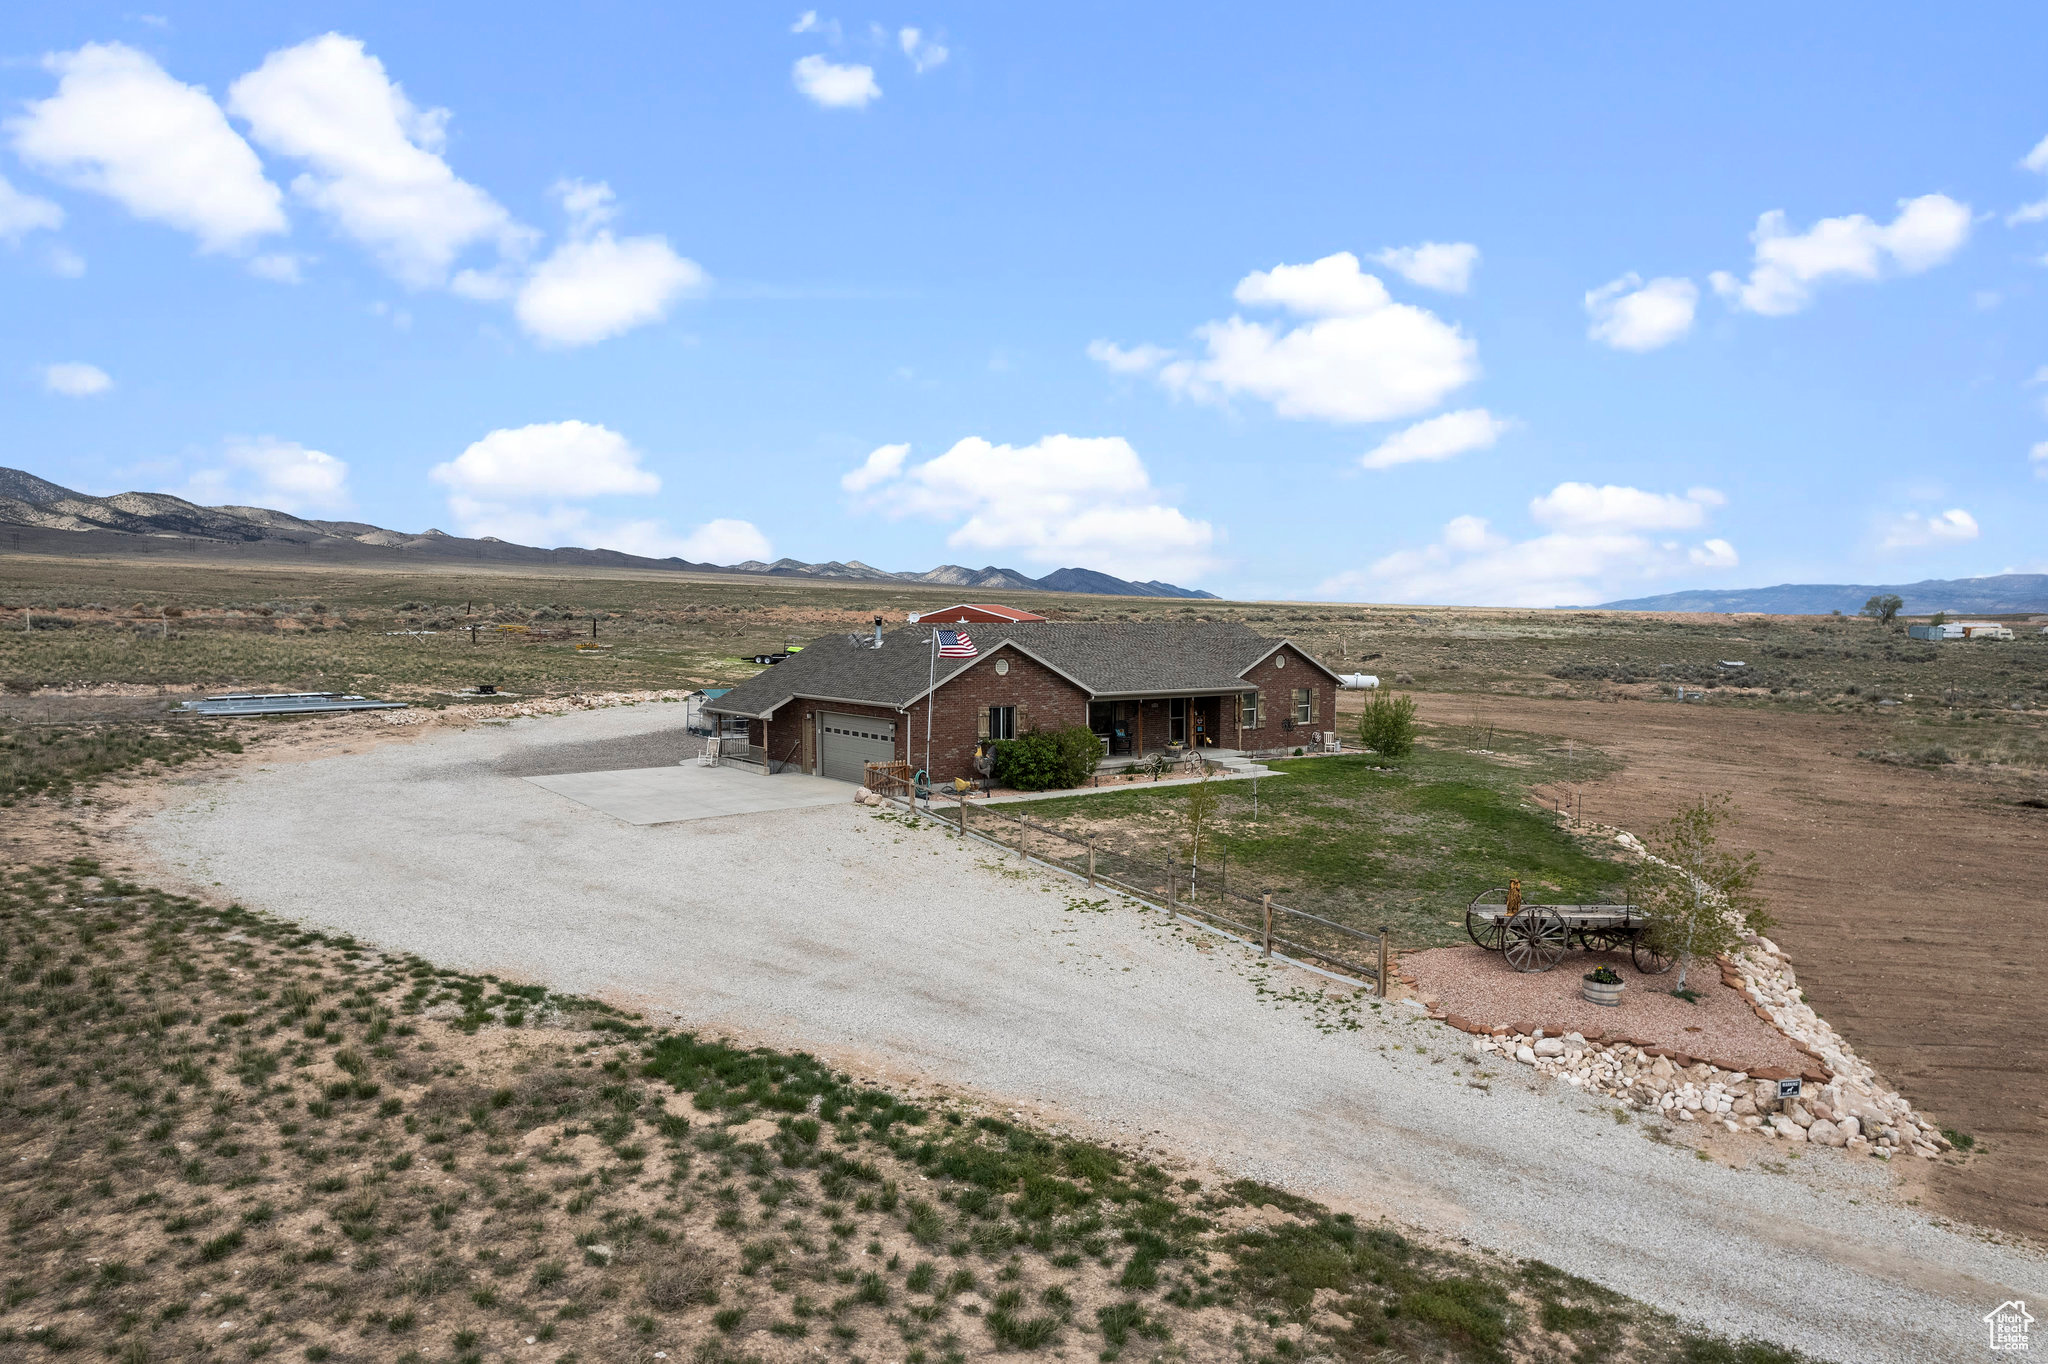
pixel 1884 608
pixel 1388 725
pixel 1196 819
pixel 1702 897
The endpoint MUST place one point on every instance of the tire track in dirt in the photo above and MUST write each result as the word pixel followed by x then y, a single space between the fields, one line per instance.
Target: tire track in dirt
pixel 1912 903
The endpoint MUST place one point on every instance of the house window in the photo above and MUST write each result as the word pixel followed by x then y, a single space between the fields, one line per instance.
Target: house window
pixel 1302 697
pixel 1251 711
pixel 1002 722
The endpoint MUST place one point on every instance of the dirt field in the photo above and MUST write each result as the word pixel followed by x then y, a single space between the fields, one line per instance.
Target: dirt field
pixel 1909 899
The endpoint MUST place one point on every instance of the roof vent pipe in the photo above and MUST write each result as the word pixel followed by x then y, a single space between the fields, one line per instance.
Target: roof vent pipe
pixel 878 632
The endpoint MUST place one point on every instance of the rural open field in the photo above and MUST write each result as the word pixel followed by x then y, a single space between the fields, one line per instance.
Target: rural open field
pixel 1898 791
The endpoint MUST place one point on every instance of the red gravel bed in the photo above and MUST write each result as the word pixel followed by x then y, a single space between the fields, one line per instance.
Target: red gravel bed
pixel 1480 988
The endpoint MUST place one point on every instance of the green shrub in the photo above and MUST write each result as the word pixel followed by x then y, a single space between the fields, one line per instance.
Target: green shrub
pixel 1388 725
pixel 1048 759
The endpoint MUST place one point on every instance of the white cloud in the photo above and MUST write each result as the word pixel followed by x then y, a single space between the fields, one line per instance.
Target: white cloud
pixel 1927 231
pixel 726 542
pixel 376 167
pixel 1433 265
pixel 2037 159
pixel 1912 530
pixel 1438 438
pixel 75 380
pixel 1361 358
pixel 21 214
pixel 553 525
pixel 568 459
pixel 883 463
pixel 65 263
pixel 526 484
pixel 1471 535
pixel 1331 287
pixel 1597 548
pixel 594 285
pixel 2038 457
pixel 834 86
pixel 1631 315
pixel 1583 507
pixel 1139 359
pixel 120 126
pixel 264 471
pixel 1713 554
pixel 924 53
pixel 1064 501
pixel 809 22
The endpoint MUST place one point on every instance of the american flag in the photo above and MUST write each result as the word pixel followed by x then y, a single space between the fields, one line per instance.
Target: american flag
pixel 956 644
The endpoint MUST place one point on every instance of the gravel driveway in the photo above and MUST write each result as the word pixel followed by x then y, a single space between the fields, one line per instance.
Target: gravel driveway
pixel 899 950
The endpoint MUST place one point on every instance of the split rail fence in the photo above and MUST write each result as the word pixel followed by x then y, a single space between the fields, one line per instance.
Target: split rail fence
pixel 1199 891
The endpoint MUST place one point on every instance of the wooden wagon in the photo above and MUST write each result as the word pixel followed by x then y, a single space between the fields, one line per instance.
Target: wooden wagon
pixel 1535 937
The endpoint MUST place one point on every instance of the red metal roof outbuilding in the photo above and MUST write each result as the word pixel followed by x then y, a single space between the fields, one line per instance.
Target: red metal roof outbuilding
pixel 982 614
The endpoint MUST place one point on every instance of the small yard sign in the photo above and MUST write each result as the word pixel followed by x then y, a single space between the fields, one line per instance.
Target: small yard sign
pixel 1788 1089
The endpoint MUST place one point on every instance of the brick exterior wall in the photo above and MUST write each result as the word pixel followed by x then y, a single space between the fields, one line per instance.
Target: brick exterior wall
pixel 1048 701
pixel 1278 683
pixel 789 736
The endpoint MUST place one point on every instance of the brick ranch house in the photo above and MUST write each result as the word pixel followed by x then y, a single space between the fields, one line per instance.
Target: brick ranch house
pixel 1142 687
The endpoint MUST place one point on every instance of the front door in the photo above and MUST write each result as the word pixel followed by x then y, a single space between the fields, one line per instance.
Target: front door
pixel 1177 720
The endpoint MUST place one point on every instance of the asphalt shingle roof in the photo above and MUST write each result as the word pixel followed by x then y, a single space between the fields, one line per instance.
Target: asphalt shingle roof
pixel 1140 657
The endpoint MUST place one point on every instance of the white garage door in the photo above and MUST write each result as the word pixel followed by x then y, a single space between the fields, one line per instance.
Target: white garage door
pixel 847 743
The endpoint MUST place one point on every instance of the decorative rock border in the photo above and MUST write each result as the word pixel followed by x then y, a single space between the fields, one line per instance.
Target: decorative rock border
pixel 1851 1108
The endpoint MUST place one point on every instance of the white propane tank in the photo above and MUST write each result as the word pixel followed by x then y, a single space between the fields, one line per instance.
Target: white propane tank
pixel 1357 681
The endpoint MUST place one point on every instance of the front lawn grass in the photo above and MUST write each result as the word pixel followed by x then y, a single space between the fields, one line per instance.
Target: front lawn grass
pixel 1368 843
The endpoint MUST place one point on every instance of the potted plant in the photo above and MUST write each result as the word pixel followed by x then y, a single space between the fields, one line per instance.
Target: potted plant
pixel 1602 986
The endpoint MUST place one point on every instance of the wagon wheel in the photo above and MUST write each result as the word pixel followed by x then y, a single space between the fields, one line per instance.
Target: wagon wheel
pixel 1489 933
pixel 1536 939
pixel 1602 939
pixel 1649 959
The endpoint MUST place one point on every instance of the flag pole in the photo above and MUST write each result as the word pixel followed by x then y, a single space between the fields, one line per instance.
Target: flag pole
pixel 930 697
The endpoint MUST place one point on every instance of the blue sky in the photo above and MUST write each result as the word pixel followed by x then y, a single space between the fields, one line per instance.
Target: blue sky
pixel 1483 306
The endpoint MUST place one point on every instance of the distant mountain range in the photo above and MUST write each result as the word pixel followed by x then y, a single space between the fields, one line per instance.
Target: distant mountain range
pixel 36 514
pixel 2000 594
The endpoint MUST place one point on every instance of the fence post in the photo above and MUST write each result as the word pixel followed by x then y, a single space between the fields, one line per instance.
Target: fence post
pixel 1381 984
pixel 1091 863
pixel 1266 902
pixel 1169 880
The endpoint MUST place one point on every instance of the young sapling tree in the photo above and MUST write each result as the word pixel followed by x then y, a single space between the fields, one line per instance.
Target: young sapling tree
pixel 1702 896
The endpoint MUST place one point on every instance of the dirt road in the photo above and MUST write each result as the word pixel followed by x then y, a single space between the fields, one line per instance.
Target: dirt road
pixel 903 953
pixel 1914 904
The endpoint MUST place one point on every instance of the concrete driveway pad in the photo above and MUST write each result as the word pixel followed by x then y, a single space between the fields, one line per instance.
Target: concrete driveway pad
pixel 666 795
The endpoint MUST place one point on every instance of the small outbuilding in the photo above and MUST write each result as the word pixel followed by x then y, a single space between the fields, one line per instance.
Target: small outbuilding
pixel 982 614
pixel 694 717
